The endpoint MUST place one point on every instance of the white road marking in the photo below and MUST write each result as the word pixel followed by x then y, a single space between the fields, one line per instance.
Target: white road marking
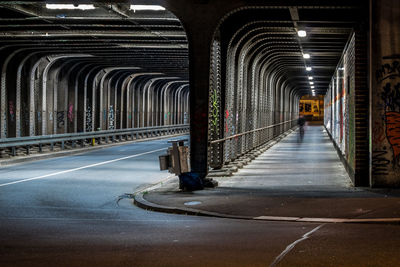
pixel 100 219
pixel 81 168
pixel 291 246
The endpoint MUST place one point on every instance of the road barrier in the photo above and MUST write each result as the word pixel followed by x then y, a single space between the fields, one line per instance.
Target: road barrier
pixel 10 146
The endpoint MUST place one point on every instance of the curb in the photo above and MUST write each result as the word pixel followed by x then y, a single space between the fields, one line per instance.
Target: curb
pixel 141 202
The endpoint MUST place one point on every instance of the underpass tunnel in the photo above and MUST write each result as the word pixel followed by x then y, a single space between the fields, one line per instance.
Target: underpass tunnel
pixel 85 68
pixel 264 59
pixel 235 70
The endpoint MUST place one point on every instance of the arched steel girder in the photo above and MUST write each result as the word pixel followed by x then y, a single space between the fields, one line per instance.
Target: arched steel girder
pixel 52 93
pixel 19 75
pixel 59 98
pixel 48 62
pixel 108 110
pixel 273 55
pixel 259 58
pixel 115 83
pixel 337 33
pixel 130 96
pixel 178 103
pixel 254 53
pixel 147 94
pixel 111 55
pixel 168 102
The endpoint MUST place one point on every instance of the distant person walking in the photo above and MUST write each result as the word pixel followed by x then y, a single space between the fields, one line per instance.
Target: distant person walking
pixel 301 122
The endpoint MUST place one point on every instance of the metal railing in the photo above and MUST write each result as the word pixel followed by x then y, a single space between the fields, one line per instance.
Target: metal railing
pixel 228 150
pixel 87 138
pixel 249 132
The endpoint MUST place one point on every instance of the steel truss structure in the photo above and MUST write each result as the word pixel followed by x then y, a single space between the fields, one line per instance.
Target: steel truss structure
pixel 76 71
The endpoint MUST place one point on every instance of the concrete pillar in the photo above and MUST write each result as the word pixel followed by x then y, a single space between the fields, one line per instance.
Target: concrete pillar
pixel 385 92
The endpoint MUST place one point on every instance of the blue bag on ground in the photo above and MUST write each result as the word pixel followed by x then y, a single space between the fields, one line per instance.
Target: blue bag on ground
pixel 190 181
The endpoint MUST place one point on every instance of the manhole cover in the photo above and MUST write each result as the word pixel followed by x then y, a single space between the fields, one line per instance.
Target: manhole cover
pixel 192 203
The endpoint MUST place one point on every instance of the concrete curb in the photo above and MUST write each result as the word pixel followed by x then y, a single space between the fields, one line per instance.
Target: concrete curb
pixel 76 151
pixel 141 202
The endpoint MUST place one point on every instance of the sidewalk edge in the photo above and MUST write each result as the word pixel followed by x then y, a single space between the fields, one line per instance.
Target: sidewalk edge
pixel 141 202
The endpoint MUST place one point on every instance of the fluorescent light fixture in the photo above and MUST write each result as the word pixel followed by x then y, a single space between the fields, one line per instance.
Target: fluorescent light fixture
pixel 146 7
pixel 69 6
pixel 311 83
pixel 310 78
pixel 312 87
pixel 302 33
pixel 308 68
pixel 306 55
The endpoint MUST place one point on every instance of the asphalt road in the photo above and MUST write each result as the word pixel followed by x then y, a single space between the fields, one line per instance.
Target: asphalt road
pixel 76 211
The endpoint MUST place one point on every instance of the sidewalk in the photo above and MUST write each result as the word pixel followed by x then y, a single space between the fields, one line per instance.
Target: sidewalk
pixel 295 180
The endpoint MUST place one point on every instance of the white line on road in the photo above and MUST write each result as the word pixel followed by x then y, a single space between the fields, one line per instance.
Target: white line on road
pixel 291 246
pixel 181 219
pixel 80 168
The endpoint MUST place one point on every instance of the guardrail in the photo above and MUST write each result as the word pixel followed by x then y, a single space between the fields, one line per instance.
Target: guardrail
pixel 249 132
pixel 85 138
pixel 249 140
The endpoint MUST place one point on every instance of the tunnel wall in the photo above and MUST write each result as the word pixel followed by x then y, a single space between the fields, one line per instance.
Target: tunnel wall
pixel 385 93
pixel 45 92
pixel 254 97
pixel 339 107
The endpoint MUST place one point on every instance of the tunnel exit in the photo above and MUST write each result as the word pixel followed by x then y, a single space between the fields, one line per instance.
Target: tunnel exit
pixel 312 109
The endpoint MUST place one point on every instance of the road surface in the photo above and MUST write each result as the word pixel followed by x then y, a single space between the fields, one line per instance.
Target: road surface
pixel 76 211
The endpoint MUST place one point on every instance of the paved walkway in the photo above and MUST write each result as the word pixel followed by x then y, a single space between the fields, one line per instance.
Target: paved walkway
pixel 296 178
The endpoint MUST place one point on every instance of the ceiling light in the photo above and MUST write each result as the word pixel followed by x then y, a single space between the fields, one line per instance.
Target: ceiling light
pixel 312 87
pixel 146 7
pixel 311 83
pixel 310 78
pixel 306 55
pixel 69 6
pixel 308 68
pixel 302 33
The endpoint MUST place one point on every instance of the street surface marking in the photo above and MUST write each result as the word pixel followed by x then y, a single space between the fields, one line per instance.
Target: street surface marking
pixel 81 168
pixel 291 246
pixel 97 219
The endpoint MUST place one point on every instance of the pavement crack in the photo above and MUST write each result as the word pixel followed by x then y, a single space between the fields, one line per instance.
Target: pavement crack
pixel 124 196
pixel 292 245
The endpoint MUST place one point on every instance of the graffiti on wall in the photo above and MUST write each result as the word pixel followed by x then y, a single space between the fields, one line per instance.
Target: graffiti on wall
pixel 70 114
pixel 389 70
pixel 214 108
pixel 11 110
pixel 88 125
pixel 111 118
pixel 60 119
pixel 379 162
pixel 388 80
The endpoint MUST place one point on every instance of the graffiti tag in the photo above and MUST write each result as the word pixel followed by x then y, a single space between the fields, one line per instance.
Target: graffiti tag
pixel 11 110
pixel 388 70
pixel 88 119
pixel 70 112
pixel 380 163
pixel 111 118
pixel 60 119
